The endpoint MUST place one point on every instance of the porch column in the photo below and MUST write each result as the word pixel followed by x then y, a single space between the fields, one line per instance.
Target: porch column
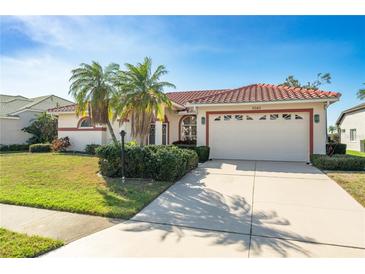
pixel 158 132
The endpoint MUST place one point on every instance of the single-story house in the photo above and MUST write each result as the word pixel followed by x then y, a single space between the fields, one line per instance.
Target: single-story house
pixel 351 127
pixel 255 122
pixel 17 112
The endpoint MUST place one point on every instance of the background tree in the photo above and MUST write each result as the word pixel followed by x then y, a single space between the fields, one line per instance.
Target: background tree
pixel 332 129
pixel 141 97
pixel 92 88
pixel 43 129
pixel 361 93
pixel 322 78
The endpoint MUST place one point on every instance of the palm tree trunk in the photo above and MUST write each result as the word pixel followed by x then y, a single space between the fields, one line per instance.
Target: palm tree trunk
pixel 111 131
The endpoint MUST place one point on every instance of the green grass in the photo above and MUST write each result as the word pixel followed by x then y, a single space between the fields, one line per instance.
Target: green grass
pixel 353 182
pixel 70 183
pixel 18 245
pixel 355 153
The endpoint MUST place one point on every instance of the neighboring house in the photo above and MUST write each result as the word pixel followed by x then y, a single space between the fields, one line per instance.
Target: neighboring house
pixel 260 122
pixel 17 112
pixel 351 126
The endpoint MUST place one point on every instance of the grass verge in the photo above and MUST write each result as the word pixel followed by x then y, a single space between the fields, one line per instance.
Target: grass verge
pixel 355 153
pixel 353 182
pixel 18 245
pixel 69 182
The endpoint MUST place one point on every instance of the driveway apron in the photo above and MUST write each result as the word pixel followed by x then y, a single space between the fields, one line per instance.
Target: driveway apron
pixel 229 208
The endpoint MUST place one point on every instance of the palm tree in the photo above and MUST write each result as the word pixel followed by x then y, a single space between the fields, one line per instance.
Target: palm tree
pixel 141 97
pixel 92 88
pixel 361 93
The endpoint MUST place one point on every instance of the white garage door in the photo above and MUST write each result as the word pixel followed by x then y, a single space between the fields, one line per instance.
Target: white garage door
pixel 264 136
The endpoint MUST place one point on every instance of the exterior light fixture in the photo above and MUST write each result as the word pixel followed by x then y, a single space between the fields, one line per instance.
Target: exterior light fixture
pixel 316 118
pixel 203 120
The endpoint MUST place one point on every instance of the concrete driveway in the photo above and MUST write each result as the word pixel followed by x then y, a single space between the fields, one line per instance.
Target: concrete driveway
pixel 239 209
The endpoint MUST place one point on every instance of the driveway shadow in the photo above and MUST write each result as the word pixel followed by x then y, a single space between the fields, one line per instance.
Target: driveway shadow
pixel 225 218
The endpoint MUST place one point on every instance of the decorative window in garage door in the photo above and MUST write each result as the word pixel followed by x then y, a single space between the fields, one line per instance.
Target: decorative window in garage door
pixel 298 117
pixel 263 117
pixel 218 118
pixel 274 116
pixel 238 117
pixel 227 117
pixel 286 116
pixel 248 117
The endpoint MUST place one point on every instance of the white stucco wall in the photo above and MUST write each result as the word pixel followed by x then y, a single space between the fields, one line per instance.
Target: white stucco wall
pixel 11 129
pixel 319 129
pixel 354 120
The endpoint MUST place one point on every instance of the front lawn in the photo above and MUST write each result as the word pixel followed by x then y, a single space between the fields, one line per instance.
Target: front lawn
pixel 355 153
pixel 353 182
pixel 18 245
pixel 70 182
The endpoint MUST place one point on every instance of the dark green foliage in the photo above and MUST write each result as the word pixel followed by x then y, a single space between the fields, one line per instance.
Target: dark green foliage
pixel 43 129
pixel 322 78
pixel 338 162
pixel 335 149
pixel 15 147
pixel 90 149
pixel 164 163
pixel 203 153
pixel 185 142
pixel 40 148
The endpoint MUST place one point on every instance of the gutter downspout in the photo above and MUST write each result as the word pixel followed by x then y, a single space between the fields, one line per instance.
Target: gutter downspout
pixel 325 113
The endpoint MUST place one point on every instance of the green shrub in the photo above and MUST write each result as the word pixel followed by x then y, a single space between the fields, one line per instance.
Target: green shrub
pixel 336 148
pixel 338 162
pixel 40 148
pixel 90 149
pixel 203 153
pixel 14 147
pixel 163 163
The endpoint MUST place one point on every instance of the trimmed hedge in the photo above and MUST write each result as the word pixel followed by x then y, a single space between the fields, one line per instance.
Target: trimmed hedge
pixel 338 162
pixel 14 147
pixel 163 163
pixel 90 149
pixel 336 149
pixel 202 151
pixel 40 148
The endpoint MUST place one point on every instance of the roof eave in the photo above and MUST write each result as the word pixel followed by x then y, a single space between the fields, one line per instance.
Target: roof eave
pixel 192 104
pixel 350 110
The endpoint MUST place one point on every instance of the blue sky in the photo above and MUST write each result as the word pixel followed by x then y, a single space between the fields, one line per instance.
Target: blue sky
pixel 205 52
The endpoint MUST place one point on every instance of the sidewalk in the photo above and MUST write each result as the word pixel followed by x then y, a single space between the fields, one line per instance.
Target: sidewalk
pixel 58 225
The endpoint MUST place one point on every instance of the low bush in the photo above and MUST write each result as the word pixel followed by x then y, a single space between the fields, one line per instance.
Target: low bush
pixel 60 144
pixel 203 153
pixel 185 142
pixel 14 147
pixel 90 149
pixel 338 162
pixel 40 148
pixel 335 148
pixel 163 163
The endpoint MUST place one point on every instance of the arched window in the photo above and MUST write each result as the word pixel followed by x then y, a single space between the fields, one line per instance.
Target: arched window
pixel 188 128
pixel 85 123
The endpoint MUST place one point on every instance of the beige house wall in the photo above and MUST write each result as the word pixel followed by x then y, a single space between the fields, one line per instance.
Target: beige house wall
pixel 11 128
pixel 354 120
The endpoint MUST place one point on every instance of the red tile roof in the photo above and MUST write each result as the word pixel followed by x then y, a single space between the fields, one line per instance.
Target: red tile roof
pixel 264 93
pixel 182 97
pixel 68 108
pixel 249 94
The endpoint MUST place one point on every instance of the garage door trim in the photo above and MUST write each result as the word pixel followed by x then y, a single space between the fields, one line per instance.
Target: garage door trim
pixel 308 110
